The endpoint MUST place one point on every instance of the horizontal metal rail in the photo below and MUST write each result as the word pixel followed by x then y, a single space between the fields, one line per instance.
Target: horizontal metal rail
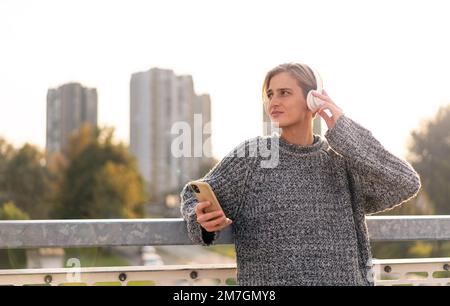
pixel 427 271
pixel 205 274
pixel 140 232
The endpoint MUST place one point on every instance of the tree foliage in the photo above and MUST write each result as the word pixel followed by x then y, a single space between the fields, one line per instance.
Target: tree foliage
pixel 9 211
pixel 15 258
pixel 100 178
pixel 430 156
pixel 23 179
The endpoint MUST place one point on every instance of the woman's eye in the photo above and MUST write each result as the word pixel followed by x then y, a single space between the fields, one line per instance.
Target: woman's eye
pixel 284 92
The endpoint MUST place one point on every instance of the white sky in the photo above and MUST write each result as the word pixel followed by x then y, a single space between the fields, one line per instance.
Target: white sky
pixel 385 63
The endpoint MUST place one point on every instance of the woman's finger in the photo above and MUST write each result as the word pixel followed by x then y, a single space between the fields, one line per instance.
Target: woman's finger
pixel 215 223
pixel 325 116
pixel 201 206
pixel 335 114
pixel 323 96
pixel 327 105
pixel 334 109
pixel 210 216
pixel 221 226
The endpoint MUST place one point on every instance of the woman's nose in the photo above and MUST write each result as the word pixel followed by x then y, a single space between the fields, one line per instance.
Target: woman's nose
pixel 273 101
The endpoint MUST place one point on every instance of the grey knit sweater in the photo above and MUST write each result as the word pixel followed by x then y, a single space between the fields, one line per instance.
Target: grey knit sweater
pixel 302 222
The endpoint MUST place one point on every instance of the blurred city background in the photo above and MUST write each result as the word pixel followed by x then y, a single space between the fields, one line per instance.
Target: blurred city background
pixel 90 91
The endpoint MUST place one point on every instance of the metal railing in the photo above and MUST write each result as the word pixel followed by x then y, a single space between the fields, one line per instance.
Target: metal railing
pixel 143 232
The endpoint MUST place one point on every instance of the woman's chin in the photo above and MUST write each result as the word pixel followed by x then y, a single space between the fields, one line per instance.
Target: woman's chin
pixel 278 123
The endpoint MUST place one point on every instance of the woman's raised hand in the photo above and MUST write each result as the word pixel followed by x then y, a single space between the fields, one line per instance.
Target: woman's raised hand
pixel 335 110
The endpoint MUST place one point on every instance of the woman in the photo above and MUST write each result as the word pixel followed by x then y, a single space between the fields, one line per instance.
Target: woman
pixel 302 222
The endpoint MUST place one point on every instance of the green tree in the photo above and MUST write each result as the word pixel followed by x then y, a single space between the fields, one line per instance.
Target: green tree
pixel 6 150
pixel 24 178
pixel 430 156
pixel 99 178
pixel 9 211
pixel 6 153
pixel 12 259
pixel 118 191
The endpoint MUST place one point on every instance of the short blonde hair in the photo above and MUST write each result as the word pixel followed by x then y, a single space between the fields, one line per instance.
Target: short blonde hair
pixel 301 72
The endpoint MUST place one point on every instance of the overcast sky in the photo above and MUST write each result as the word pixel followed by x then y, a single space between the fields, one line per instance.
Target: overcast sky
pixel 385 63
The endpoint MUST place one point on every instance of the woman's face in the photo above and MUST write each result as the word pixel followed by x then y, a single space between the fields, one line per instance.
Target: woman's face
pixel 285 101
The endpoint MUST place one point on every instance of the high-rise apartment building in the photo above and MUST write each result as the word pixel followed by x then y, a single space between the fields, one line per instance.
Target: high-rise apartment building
pixel 163 108
pixel 68 108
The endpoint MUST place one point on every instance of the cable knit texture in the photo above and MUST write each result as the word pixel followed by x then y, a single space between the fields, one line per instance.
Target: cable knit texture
pixel 302 222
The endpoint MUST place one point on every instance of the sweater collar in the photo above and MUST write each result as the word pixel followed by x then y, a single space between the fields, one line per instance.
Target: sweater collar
pixel 317 144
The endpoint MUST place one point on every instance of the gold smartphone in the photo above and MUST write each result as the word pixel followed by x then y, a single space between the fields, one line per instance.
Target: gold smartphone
pixel 204 192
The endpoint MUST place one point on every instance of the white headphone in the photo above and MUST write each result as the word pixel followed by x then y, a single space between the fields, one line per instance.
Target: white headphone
pixel 314 102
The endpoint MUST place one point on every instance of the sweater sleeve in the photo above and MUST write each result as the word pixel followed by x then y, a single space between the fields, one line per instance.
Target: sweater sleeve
pixel 228 179
pixel 385 180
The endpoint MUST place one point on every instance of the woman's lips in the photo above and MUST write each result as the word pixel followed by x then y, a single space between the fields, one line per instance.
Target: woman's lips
pixel 276 114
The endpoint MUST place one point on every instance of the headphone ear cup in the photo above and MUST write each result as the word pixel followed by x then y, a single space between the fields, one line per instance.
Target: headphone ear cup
pixel 313 102
pixel 310 101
